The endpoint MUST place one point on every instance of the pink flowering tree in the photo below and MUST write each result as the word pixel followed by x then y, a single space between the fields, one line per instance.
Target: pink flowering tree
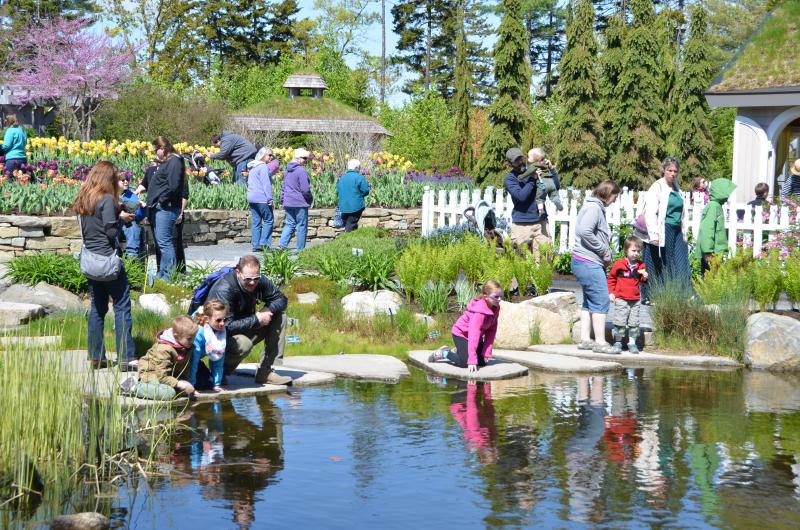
pixel 61 62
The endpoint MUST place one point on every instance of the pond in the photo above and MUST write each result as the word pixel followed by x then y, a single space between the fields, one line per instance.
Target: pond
pixel 643 448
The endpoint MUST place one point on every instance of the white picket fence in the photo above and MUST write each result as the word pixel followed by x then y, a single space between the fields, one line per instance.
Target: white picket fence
pixel 445 209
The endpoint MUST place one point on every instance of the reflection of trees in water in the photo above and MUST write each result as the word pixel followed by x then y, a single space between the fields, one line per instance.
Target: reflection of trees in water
pixel 235 452
pixel 367 434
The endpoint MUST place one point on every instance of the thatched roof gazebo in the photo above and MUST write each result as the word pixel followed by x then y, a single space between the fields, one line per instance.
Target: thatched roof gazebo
pixel 763 83
pixel 303 114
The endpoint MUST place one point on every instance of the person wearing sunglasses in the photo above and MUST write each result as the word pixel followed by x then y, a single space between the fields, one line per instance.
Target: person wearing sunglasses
pixel 243 290
pixel 474 331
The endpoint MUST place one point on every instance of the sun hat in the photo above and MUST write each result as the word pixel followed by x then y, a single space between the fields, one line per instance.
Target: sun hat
pixel 301 153
pixel 795 169
pixel 513 154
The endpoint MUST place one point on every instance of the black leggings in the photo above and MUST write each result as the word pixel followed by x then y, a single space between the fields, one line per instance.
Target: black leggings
pixel 351 220
pixel 460 356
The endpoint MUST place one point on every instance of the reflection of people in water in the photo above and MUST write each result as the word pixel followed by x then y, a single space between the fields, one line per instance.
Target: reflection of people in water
pixel 236 464
pixel 584 462
pixel 621 427
pixel 476 416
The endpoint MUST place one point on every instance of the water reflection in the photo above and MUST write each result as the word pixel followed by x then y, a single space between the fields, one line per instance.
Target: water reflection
pixel 234 453
pixel 474 411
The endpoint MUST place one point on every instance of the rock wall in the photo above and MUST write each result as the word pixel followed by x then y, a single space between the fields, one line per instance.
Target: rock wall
pixel 23 234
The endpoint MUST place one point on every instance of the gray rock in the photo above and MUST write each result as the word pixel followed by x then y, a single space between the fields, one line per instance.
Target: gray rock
pixel 155 302
pixel 81 521
pixel 307 298
pixel 353 366
pixel 495 369
pixel 369 303
pixel 52 298
pixel 299 378
pixel 427 319
pixel 519 323
pixel 773 342
pixel 15 313
pixel 548 362
pixel 562 302
pixel 771 392
pixel 638 359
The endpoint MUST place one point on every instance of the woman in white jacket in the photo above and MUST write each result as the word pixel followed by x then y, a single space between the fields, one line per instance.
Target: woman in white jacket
pixel 666 255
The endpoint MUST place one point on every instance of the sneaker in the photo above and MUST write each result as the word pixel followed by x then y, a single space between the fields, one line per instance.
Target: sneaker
pixel 605 348
pixel 586 345
pixel 129 366
pixel 267 376
pixel 617 346
pixel 439 355
pixel 101 363
pixel 633 348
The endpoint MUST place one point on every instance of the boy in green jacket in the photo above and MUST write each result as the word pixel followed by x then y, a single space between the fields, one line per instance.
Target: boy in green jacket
pixel 712 238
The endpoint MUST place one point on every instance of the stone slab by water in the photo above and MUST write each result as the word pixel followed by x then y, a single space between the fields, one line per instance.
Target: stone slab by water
pixel 368 367
pixel 551 362
pixel 643 358
pixel 494 370
pixel 300 377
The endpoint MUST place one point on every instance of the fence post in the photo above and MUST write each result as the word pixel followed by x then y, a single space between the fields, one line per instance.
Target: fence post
pixel 758 229
pixel 427 214
pixel 441 208
pixel 452 206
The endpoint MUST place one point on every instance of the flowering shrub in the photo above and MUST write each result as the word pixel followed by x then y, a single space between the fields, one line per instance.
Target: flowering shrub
pixel 788 240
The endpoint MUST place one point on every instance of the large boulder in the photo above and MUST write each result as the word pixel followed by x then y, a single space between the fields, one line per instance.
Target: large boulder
pixel 565 303
pixel 773 342
pixel 14 313
pixel 52 298
pixel 521 323
pixel 155 302
pixel 81 521
pixel 371 303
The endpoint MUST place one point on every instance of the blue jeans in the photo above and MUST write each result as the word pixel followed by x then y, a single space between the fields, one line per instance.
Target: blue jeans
pixel 238 178
pixel 262 225
pixel 592 278
pixel 296 219
pixel 120 292
pixel 162 219
pixel 133 239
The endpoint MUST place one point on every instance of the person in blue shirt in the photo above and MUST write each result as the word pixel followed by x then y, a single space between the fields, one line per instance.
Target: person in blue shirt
pixel 352 188
pixel 14 143
pixel 132 230
pixel 529 226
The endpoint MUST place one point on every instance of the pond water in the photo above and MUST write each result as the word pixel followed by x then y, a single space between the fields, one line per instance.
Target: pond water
pixel 643 448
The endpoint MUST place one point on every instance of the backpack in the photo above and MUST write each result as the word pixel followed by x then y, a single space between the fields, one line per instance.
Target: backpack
pixel 201 293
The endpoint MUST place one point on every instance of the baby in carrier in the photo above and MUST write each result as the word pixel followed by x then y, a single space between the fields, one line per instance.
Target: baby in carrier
pixel 546 187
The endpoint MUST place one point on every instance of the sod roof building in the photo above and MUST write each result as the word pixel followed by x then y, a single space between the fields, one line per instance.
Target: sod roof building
pixel 763 83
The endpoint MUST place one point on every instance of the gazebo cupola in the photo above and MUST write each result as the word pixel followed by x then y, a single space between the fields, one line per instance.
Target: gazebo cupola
pixel 296 83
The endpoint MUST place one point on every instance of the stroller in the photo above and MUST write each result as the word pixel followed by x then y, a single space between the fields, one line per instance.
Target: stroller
pixel 482 220
pixel 197 167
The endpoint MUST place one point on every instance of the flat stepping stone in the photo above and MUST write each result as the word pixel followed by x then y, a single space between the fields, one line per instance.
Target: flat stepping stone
pixel 549 362
pixel 643 358
pixel 307 298
pixel 301 378
pixel 14 340
pixel 494 370
pixel 369 367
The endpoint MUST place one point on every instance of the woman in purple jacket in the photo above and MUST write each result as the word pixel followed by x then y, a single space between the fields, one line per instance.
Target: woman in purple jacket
pixel 259 197
pixel 296 199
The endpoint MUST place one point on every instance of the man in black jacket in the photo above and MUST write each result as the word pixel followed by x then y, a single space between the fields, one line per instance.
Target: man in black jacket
pixel 243 289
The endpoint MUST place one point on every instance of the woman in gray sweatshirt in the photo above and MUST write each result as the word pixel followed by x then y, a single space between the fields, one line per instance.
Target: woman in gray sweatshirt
pixel 590 257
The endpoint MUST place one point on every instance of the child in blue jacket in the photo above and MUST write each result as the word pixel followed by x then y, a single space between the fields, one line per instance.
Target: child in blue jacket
pixel 210 342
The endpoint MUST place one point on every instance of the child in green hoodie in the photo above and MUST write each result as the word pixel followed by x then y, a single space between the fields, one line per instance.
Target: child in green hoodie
pixel 712 238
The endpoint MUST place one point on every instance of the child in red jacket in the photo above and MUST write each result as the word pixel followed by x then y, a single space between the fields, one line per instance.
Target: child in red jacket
pixel 623 290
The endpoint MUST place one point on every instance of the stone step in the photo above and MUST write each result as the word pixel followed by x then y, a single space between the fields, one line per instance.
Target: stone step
pixel 495 369
pixel 369 367
pixel 643 358
pixel 552 362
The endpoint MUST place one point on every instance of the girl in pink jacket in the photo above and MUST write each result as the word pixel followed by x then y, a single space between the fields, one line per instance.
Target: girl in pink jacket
pixel 474 331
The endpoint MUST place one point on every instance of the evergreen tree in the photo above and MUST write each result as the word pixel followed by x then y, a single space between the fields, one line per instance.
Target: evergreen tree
pixel 545 23
pixel 611 61
pixel 579 152
pixel 693 138
pixel 282 29
pixel 462 139
pixel 22 13
pixel 605 10
pixel 668 28
pixel 509 115
pixel 636 159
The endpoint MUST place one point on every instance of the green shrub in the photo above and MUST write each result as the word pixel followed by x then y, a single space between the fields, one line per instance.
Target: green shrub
pixel 542 273
pixel 767 281
pixel 374 271
pixel 334 270
pixel 465 292
pixel 501 269
pixel 725 280
pixel 791 282
pixel 409 271
pixel 279 265
pixel 562 263
pixel 55 269
pixel 433 297
pixel 372 241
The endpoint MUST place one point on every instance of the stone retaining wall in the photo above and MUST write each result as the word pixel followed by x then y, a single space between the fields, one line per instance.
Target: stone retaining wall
pixel 23 234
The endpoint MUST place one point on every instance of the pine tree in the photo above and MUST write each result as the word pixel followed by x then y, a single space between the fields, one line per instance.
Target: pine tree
pixel 282 29
pixel 545 23
pixel 636 160
pixel 579 152
pixel 693 138
pixel 611 61
pixel 462 139
pixel 509 115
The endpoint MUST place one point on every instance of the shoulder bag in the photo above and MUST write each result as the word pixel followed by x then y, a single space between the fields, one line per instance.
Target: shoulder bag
pixel 96 266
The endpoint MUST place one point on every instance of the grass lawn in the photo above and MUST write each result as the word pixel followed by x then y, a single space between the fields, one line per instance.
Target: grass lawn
pixel 304 107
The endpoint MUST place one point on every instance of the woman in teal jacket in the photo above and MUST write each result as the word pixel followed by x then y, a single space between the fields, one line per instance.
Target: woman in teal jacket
pixel 13 148
pixel 352 188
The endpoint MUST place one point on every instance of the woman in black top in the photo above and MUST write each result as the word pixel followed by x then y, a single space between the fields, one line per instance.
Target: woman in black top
pixel 97 204
pixel 165 191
